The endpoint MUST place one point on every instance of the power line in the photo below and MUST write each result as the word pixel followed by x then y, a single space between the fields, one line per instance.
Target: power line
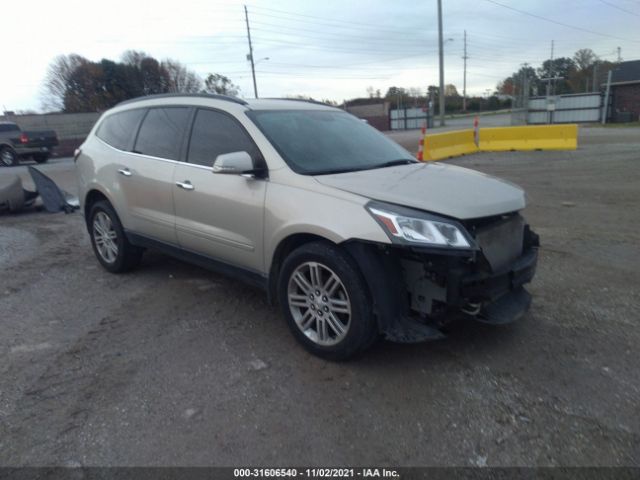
pixel 620 8
pixel 550 20
pixel 345 65
pixel 378 27
pixel 391 45
pixel 332 35
pixel 326 48
pixel 296 65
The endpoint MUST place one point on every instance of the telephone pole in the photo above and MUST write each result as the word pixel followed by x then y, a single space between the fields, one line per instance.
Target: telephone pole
pixel 464 77
pixel 441 53
pixel 619 52
pixel 550 72
pixel 250 56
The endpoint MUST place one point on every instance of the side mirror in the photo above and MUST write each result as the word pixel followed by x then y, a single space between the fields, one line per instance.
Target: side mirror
pixel 235 163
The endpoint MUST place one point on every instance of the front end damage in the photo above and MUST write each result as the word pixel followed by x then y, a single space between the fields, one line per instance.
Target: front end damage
pixel 416 290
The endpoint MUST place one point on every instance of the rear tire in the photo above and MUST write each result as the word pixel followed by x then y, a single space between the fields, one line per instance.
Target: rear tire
pixel 41 157
pixel 110 244
pixel 326 302
pixel 8 157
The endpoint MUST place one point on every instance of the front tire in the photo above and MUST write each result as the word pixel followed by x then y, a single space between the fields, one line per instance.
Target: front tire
pixel 109 242
pixel 326 301
pixel 8 157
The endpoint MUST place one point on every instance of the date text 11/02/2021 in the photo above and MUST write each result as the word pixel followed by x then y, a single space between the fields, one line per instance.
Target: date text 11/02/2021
pixel 316 472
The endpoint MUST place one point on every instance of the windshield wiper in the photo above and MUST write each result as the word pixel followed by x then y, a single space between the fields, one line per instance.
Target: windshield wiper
pixel 392 163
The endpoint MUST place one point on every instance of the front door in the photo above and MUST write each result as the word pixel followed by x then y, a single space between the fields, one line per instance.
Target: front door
pixel 219 215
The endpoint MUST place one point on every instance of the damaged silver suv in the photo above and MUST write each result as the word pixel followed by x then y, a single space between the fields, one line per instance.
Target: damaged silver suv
pixel 342 227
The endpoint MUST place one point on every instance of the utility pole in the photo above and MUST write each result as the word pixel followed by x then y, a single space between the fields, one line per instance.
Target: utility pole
pixel 605 107
pixel 595 76
pixel 250 56
pixel 441 53
pixel 549 91
pixel 619 57
pixel 464 77
pixel 524 93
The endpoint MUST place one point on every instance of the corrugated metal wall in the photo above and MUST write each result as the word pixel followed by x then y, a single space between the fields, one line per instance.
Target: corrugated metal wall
pixel 575 108
pixel 407 118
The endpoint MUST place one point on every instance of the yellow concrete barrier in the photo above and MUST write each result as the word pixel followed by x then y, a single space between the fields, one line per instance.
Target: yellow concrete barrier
pixel 499 139
pixel 449 144
pixel 537 137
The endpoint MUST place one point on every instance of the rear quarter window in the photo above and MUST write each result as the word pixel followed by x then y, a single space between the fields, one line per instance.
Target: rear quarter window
pixel 119 129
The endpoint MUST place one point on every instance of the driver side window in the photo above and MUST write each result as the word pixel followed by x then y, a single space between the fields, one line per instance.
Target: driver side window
pixel 215 133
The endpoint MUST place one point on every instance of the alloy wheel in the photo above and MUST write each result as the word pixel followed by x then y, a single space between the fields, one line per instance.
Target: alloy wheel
pixel 7 157
pixel 105 237
pixel 319 303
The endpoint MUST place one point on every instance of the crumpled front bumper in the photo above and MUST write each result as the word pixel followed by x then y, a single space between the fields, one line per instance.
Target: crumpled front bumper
pixel 471 286
pixel 497 297
pixel 502 295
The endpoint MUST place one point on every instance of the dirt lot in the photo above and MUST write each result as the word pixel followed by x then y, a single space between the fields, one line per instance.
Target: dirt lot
pixel 174 365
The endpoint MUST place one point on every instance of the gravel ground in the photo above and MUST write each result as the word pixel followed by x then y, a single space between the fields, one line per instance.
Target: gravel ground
pixel 174 365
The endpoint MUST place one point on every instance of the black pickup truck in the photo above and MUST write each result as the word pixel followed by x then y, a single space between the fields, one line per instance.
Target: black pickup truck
pixel 16 144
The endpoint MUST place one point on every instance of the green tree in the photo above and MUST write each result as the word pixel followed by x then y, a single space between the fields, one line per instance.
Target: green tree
pixel 558 67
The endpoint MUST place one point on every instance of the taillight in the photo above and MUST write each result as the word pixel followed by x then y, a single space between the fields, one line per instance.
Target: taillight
pixel 24 138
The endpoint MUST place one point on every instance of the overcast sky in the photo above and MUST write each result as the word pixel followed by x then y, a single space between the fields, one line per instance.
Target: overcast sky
pixel 331 49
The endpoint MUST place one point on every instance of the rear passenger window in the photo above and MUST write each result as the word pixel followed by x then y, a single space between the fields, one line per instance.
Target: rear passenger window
pixel 215 133
pixel 161 132
pixel 119 129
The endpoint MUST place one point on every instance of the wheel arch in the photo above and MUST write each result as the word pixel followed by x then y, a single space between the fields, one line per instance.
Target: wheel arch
pixel 93 195
pixel 282 250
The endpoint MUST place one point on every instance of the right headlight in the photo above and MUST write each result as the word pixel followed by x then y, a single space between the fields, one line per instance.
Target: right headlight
pixel 421 229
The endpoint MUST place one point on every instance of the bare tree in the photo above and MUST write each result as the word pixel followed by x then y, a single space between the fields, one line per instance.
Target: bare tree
pixel 450 90
pixel 57 80
pixel 134 57
pixel 216 83
pixel 415 92
pixel 180 79
pixel 584 58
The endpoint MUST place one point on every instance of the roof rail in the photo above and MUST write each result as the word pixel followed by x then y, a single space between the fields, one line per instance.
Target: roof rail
pixel 214 96
pixel 316 102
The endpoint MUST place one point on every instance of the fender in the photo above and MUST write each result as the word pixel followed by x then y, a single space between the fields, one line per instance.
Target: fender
pixel 386 284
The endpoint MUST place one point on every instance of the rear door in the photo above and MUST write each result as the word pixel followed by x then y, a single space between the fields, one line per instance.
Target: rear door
pixel 219 215
pixel 146 174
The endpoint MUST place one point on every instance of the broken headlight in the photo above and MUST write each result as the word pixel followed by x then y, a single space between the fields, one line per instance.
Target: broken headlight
pixel 406 226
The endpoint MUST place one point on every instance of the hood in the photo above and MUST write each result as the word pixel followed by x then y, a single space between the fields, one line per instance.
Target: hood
pixel 434 187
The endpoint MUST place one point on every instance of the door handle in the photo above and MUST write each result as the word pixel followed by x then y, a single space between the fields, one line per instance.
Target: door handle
pixel 186 185
pixel 125 171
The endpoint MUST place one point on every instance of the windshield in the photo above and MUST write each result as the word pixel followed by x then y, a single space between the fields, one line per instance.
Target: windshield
pixel 316 142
